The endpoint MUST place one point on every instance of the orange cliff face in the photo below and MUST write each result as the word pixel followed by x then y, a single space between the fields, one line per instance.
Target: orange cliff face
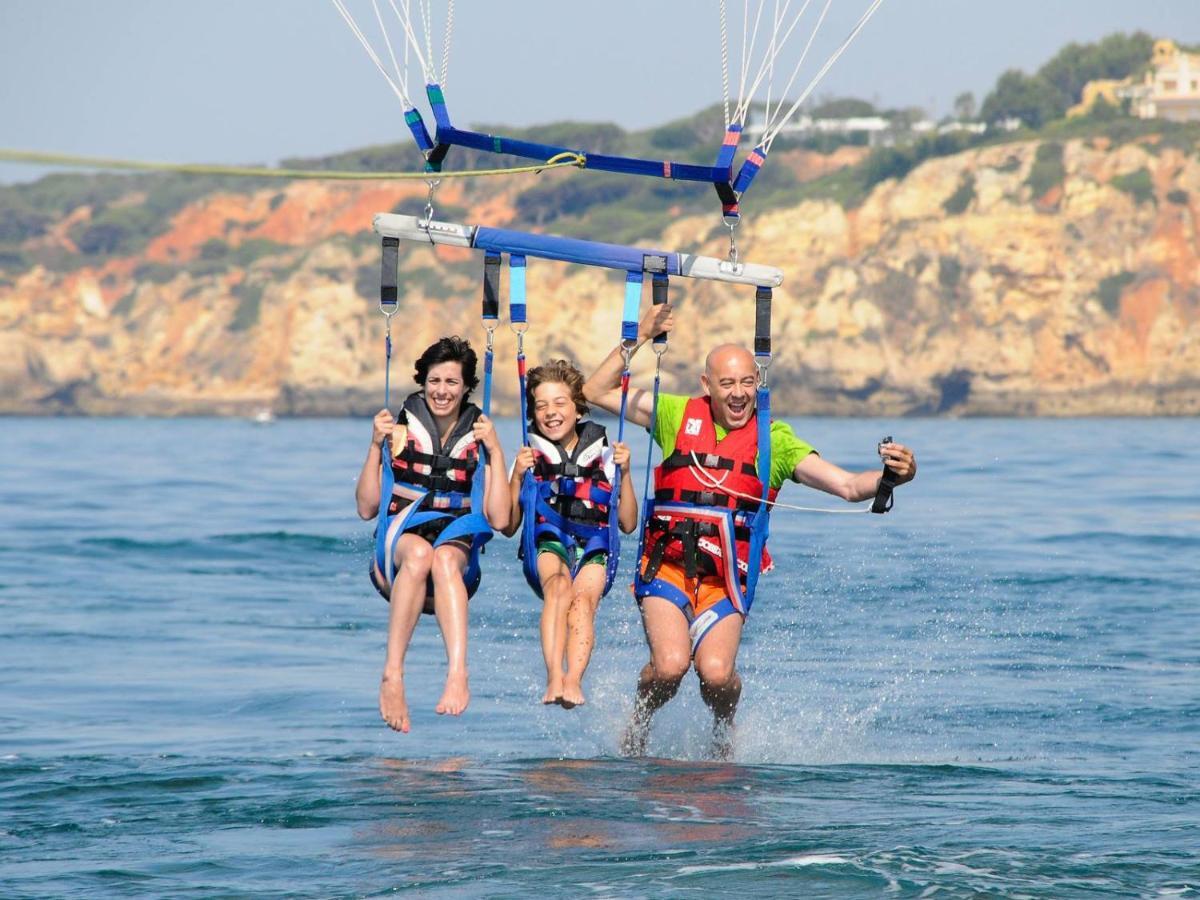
pixel 1082 300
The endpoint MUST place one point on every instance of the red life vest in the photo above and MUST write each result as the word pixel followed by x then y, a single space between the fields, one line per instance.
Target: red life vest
pixel 696 523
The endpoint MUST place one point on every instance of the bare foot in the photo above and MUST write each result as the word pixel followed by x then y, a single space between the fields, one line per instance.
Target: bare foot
pixel 392 705
pixel 456 696
pixel 553 693
pixel 572 695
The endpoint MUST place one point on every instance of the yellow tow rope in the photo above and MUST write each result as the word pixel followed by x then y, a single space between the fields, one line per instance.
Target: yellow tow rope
pixel 560 161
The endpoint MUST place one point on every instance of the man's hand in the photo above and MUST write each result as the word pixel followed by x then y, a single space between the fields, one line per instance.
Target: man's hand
pixel 523 462
pixel 382 426
pixel 900 460
pixel 657 319
pixel 621 456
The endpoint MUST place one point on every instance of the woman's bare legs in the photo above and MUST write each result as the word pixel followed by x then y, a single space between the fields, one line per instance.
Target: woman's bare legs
pixel 414 556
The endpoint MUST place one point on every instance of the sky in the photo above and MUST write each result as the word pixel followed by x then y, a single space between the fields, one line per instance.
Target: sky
pixel 254 81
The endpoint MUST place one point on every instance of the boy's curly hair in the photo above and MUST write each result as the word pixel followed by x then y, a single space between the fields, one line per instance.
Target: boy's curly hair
pixel 562 372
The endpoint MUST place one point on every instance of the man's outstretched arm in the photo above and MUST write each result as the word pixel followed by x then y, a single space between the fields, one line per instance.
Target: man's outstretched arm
pixel 603 388
pixel 815 472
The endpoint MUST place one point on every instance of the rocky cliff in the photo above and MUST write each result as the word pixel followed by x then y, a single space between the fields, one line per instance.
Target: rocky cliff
pixel 1025 278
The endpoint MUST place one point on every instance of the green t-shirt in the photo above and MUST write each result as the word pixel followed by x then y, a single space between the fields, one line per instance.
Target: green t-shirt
pixel 786 448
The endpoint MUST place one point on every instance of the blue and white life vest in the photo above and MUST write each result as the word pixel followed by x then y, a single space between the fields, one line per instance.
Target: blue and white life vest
pixel 569 498
pixel 428 480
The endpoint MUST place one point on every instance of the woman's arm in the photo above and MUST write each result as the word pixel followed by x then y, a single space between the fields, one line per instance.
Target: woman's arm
pixel 497 500
pixel 627 511
pixel 366 492
pixel 523 462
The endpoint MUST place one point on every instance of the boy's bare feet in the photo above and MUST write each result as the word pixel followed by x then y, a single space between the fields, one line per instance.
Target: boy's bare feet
pixel 392 705
pixel 456 696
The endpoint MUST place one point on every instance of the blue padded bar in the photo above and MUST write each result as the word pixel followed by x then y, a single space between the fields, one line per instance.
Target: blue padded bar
pixel 516 288
pixel 529 150
pixel 437 103
pixel 420 133
pixel 633 302
pixel 573 250
pixel 655 168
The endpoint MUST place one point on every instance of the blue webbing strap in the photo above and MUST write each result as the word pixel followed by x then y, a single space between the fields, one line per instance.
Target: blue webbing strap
pixel 626 165
pixel 436 153
pixel 729 199
pixel 749 169
pixel 762 519
pixel 412 118
pixel 660 287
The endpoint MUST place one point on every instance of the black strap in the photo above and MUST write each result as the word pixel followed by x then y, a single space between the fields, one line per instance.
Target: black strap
pixel 762 322
pixel 491 285
pixel 389 274
pixel 680 460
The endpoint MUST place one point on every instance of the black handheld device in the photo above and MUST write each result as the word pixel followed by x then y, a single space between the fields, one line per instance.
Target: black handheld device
pixel 887 481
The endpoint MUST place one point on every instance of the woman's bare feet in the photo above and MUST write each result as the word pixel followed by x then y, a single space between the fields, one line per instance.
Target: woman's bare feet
pixel 572 694
pixel 554 691
pixel 392 705
pixel 456 696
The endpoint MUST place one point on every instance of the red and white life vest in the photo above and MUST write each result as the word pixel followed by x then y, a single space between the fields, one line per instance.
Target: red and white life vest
pixel 700 522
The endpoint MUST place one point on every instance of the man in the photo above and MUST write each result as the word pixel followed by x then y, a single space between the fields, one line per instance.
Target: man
pixel 690 603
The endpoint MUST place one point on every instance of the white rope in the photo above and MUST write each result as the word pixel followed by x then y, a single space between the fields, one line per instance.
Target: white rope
pixel 405 19
pixel 701 474
pixel 747 55
pixel 799 63
pixel 446 43
pixel 362 39
pixel 769 137
pixel 427 24
pixel 401 77
pixel 725 62
pixel 773 51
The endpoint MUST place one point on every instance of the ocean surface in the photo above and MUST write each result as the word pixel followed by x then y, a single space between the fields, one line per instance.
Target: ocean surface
pixel 994 691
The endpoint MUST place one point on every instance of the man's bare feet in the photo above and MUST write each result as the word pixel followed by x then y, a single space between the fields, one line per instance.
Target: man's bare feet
pixel 722 740
pixel 633 741
pixel 392 705
pixel 456 696
pixel 572 695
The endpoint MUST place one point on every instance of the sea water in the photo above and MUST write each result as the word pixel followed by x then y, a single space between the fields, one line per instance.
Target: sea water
pixel 992 691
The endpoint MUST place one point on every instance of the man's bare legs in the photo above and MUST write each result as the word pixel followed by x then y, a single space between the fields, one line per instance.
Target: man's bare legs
pixel 555 578
pixel 581 630
pixel 414 556
pixel 720 684
pixel 670 656
pixel 450 607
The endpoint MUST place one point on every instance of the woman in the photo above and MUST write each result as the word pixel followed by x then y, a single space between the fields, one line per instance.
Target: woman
pixel 434 450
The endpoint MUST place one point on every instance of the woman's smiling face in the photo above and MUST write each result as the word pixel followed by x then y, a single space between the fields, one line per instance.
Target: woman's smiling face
pixel 444 388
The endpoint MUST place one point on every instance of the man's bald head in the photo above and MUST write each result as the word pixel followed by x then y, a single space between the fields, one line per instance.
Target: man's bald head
pixel 730 379
pixel 725 355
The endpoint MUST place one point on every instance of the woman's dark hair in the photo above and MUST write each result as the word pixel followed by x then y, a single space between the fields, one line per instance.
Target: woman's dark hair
pixel 449 349
pixel 562 372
